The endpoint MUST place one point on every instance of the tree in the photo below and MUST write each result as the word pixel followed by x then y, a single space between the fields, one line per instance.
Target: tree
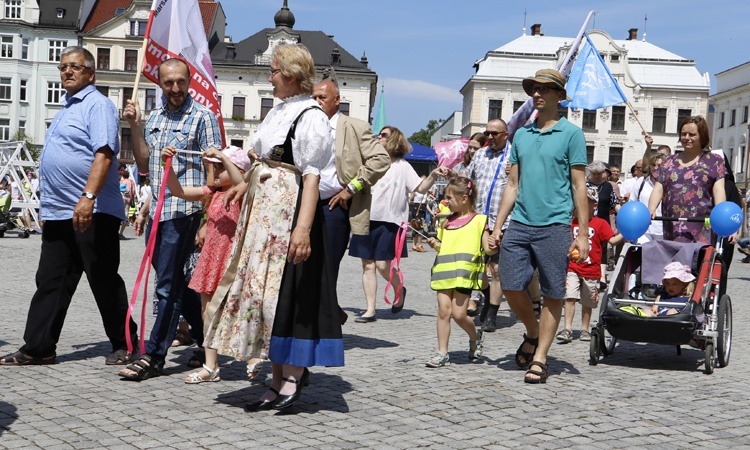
pixel 34 150
pixel 423 136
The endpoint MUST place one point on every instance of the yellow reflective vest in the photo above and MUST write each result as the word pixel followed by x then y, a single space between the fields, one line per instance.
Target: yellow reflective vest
pixel 460 262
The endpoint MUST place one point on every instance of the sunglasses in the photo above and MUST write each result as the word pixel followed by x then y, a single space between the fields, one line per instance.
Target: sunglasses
pixel 543 89
pixel 384 135
pixel 494 133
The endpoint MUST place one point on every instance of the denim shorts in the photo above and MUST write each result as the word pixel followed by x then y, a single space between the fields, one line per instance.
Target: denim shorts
pixel 526 248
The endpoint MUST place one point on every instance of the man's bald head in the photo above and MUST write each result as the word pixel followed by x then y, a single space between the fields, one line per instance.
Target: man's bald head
pixel 326 93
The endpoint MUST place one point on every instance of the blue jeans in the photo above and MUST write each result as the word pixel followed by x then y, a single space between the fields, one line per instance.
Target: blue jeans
pixel 744 243
pixel 175 240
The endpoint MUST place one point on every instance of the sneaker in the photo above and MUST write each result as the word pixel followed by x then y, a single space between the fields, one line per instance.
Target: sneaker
pixel 476 347
pixel 745 260
pixel 489 325
pixel 565 336
pixel 438 360
pixel 585 336
pixel 744 251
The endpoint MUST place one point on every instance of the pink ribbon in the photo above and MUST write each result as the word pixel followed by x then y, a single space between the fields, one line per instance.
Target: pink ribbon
pixel 396 262
pixel 145 268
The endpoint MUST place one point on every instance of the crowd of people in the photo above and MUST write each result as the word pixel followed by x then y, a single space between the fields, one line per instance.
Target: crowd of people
pixel 530 220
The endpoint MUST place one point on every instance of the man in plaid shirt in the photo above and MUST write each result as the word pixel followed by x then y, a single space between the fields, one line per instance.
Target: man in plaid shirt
pixel 487 169
pixel 185 125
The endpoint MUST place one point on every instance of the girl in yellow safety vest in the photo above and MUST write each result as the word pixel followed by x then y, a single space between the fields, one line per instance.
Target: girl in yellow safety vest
pixel 461 245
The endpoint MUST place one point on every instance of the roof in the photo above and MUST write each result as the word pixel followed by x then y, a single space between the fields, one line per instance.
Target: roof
pixel 320 45
pixel 48 13
pixel 104 11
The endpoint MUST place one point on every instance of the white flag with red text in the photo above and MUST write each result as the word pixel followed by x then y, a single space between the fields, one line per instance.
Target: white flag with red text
pixel 175 30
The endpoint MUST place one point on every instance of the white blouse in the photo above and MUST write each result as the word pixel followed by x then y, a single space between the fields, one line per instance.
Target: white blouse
pixel 312 144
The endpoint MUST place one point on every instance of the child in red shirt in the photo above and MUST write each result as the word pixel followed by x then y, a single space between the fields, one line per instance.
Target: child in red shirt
pixel 583 278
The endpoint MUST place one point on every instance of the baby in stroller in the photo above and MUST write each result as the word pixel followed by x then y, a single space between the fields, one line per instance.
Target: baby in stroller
pixel 678 285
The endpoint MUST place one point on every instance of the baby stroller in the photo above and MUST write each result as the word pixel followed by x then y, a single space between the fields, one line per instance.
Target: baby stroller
pixel 705 320
pixel 9 222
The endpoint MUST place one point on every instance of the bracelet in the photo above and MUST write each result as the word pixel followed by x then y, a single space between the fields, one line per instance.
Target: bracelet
pixel 356 184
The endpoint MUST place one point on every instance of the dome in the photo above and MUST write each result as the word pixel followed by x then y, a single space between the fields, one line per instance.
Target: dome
pixel 284 18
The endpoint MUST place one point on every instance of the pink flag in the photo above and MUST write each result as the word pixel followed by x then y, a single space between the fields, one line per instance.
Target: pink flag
pixel 175 30
pixel 451 152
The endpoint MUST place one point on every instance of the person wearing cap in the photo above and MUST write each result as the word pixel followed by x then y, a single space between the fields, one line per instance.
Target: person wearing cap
pixel 582 283
pixel 221 223
pixel 547 178
pixel 678 285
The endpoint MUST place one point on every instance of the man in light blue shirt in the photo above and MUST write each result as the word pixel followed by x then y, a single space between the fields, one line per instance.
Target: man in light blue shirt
pixel 81 208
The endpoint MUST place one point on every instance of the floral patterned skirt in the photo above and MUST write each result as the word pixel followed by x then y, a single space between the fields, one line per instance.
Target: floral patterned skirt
pixel 240 317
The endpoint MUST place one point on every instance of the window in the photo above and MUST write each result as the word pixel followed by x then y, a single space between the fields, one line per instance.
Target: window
pixel 102 58
pixel 721 120
pixel 614 58
pixel 22 90
pixel 21 128
pixel 562 111
pixel 732 117
pixel 682 114
pixel 12 9
pixel 615 156
pixel 618 118
pixel 150 102
pixel 517 105
pixel 127 94
pixel 138 27
pixel 589 119
pixel 238 108
pixel 55 92
pixel 265 107
pixel 5 88
pixel 55 48
pixel 659 124
pixel 104 90
pixel 744 115
pixel 344 108
pixel 131 60
pixel 4 129
pixel 237 142
pixel 60 13
pixel 25 48
pixel 6 47
pixel 126 144
pixel 496 109
pixel 590 153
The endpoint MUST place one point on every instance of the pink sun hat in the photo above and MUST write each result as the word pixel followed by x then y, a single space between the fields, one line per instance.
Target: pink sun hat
pixel 679 271
pixel 236 155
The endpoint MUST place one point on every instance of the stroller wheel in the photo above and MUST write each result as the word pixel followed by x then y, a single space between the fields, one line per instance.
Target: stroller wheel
pixel 709 357
pixel 24 235
pixel 594 347
pixel 606 341
pixel 2 233
pixel 724 328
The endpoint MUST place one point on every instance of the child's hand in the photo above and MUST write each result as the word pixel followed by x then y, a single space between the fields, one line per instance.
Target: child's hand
pixel 213 153
pixel 431 242
pixel 167 152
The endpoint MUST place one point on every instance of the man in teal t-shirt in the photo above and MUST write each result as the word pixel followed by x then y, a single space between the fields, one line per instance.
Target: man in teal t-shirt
pixel 546 179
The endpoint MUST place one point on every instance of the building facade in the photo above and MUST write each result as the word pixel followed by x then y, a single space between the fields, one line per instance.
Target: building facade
pixel 662 88
pixel 731 124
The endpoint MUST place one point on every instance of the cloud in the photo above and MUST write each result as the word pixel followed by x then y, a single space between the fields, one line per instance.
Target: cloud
pixel 421 90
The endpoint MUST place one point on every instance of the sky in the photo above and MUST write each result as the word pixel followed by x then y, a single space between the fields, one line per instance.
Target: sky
pixel 423 50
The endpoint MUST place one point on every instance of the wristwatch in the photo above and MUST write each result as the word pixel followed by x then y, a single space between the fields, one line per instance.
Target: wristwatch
pixel 351 189
pixel 88 195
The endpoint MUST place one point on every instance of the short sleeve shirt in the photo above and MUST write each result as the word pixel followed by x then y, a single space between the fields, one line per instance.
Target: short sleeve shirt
pixel 599 233
pixel 390 195
pixel 544 161
pixel 86 123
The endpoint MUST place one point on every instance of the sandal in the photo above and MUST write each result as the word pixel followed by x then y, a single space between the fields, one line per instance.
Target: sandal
pixel 19 359
pixel 198 359
pixel 526 355
pixel 254 369
pixel 119 357
pixel 537 307
pixel 196 378
pixel 182 339
pixel 143 369
pixel 542 374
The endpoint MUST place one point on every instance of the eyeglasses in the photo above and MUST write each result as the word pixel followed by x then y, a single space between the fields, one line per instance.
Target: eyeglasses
pixel 272 72
pixel 74 67
pixel 543 89
pixel 494 133
pixel 384 135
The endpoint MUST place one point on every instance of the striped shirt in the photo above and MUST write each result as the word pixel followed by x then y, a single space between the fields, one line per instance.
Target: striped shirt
pixel 192 127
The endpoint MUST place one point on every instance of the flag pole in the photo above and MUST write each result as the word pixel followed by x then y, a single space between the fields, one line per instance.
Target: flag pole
pixel 141 62
pixel 636 118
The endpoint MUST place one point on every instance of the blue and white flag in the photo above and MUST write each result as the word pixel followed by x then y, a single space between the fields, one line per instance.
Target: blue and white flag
pixel 591 84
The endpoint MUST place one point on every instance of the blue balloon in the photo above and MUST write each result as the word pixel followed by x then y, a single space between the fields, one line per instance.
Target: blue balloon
pixel 633 220
pixel 726 218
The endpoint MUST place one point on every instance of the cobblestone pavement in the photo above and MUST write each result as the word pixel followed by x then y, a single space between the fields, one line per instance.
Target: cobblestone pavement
pixel 642 396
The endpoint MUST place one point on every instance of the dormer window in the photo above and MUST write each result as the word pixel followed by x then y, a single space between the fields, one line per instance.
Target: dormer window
pixel 12 9
pixel 60 13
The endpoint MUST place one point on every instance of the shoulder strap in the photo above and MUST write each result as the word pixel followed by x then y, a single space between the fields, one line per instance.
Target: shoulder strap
pixel 283 152
pixel 638 197
pixel 293 128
